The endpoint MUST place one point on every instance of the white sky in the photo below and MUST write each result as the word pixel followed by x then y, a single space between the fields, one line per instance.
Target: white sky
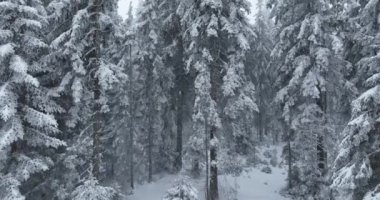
pixel 124 7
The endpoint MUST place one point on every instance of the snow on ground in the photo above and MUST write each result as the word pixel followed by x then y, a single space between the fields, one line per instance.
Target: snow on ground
pixel 252 185
pixel 256 185
pixel 155 190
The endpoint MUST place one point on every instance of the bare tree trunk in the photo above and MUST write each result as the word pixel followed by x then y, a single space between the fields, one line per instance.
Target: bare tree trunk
pixel 246 147
pixel 94 63
pixel 214 193
pixel 150 123
pixel 260 121
pixel 322 103
pixel 290 171
pixel 150 156
pixel 131 121
pixel 260 103
pixel 207 159
pixel 97 126
pixel 181 82
pixel 179 122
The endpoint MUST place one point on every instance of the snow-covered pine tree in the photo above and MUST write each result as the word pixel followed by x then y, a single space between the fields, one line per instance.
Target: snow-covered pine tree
pixel 238 89
pixel 121 122
pixel 356 167
pixel 158 78
pixel 127 25
pixel 310 77
pixel 28 129
pixel 261 71
pixel 101 74
pixel 114 48
pixel 215 35
pixel 173 56
pixel 60 35
pixel 201 36
pixel 131 43
pixel 172 60
pixel 69 35
pixel 129 110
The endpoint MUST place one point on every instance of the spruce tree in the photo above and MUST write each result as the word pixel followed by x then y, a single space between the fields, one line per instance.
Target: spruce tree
pixel 29 131
pixel 356 168
pixel 309 71
pixel 158 78
pixel 81 38
pixel 261 70
pixel 219 65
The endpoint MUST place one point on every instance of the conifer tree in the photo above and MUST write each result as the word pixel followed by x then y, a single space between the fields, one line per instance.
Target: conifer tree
pixel 158 77
pixel 219 66
pixel 261 70
pixel 122 110
pixel 81 36
pixel 309 71
pixel 28 129
pixel 356 166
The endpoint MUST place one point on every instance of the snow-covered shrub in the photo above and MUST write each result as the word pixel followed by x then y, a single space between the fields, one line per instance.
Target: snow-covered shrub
pixel 182 190
pixel 256 159
pixel 91 190
pixel 267 154
pixel 273 160
pixel 251 160
pixel 263 162
pixel 266 170
pixel 271 154
pixel 230 163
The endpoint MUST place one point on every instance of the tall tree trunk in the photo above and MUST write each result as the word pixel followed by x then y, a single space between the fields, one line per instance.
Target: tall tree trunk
pixel 246 146
pixel 150 122
pixel 322 103
pixel 260 126
pixel 179 122
pixel 215 76
pixel 94 63
pixel 290 156
pixel 214 193
pixel 207 195
pixel 131 121
pixel 260 96
pixel 181 85
pixel 321 153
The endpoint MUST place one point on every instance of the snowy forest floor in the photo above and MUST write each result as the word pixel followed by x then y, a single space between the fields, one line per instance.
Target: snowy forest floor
pixel 252 184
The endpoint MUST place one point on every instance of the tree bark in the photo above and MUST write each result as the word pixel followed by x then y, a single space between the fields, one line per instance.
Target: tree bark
pixel 131 121
pixel 214 193
pixel 97 126
pixel 322 103
pixel 179 122
pixel 290 171
pixel 94 9
pixel 261 111
pixel 207 195
pixel 150 122
pixel 181 82
pixel 215 77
